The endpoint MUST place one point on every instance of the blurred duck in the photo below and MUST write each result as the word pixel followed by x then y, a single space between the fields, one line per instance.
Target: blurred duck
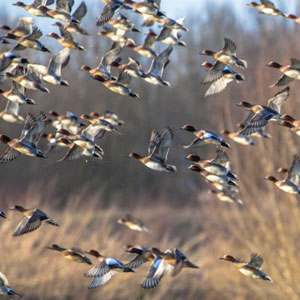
pixel 30 40
pixel 119 86
pixel 171 36
pixel 5 289
pixel 33 219
pixel 17 94
pixel 123 23
pixel 8 62
pixel 33 8
pixel 141 256
pixel 24 27
pixel 291 182
pixel 74 27
pixel 52 73
pixel 204 137
pixel 267 7
pixel 107 268
pixel 164 263
pixel 27 143
pixel 111 6
pixel 238 138
pixel 210 166
pixel 53 142
pixel 261 133
pixel 252 268
pixel 145 7
pixel 66 40
pixel 158 151
pixel 159 63
pixel 226 195
pixel 227 56
pixel 221 80
pixel 147 49
pixel 116 35
pixel 97 127
pixel 108 116
pixel 75 151
pixel 258 117
pixel 290 72
pixel 57 14
pixel 69 121
pixel 11 113
pixel 104 67
pixel 293 17
pixel 73 254
pixel 82 141
pixel 290 122
pixel 133 68
pixel 2 214
pixel 221 179
pixel 27 79
pixel 133 223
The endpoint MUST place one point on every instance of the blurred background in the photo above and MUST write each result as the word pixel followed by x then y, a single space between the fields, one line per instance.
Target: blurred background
pixel 88 196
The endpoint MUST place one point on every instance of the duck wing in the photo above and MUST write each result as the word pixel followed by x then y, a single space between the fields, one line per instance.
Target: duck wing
pixel 109 57
pixel 34 132
pixel 279 99
pixel 154 141
pixel 64 5
pixel 80 12
pixel 99 281
pixel 294 171
pixel 150 41
pixel 158 269
pixel 218 86
pixel 9 155
pixel 99 270
pixel 75 152
pixel 3 280
pixel 158 63
pixel 161 150
pixel 214 73
pixel 283 80
pixel 229 47
pixel 268 3
pixel 221 158
pixel 107 13
pixel 256 261
pixel 28 225
pixel 56 62
pixel 136 262
pixel 124 78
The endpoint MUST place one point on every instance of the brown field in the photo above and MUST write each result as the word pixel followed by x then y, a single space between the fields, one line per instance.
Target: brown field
pixel 88 197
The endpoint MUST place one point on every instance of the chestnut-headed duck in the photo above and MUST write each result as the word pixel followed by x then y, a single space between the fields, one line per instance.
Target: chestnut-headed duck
pixel 170 35
pixel 141 256
pixel 221 79
pixel 293 17
pixel 5 289
pixel 164 263
pixel 221 179
pixel 291 123
pixel 104 67
pixel 33 8
pixel 238 138
pixel 78 15
pixel 204 137
pixel 27 143
pixel 133 68
pixel 24 27
pixel 227 56
pixel 158 151
pixel 267 7
pixel 258 117
pixel 69 121
pixel 57 14
pixel 145 7
pixel 27 79
pixel 133 223
pixel 226 195
pixel 290 72
pixel 17 94
pixel 108 116
pixel 291 182
pixel 66 40
pixel 105 270
pixel 33 219
pixel 30 40
pixel 119 86
pixel 251 268
pixel 73 254
pixel 210 166
pixel 155 73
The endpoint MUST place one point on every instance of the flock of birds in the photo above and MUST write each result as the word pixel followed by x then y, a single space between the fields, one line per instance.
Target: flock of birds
pixel 80 134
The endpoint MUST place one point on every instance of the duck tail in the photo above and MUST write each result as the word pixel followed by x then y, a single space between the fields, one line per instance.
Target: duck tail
pixel 224 144
pixel 170 168
pixel 127 269
pixel 268 278
pixel 51 222
pixel 13 292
